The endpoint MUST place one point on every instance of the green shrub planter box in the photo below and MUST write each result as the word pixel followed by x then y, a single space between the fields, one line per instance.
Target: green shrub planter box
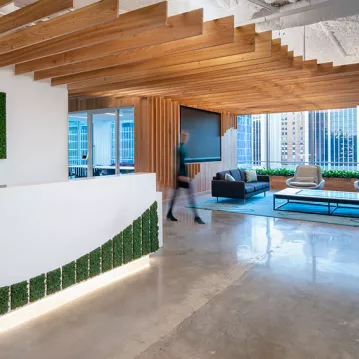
pixel 4 300
pixel 37 288
pixel 137 238
pixel 68 275
pixel 19 294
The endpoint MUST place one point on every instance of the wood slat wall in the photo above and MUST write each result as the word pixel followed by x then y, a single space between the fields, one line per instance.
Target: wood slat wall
pixel 157 128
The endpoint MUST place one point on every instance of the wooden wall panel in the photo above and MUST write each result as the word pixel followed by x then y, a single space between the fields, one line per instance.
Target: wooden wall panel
pixel 157 130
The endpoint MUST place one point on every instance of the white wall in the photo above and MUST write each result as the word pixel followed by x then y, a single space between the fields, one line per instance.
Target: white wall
pixel 36 130
pixel 46 226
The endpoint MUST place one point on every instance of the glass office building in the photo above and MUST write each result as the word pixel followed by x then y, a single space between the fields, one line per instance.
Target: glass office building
pixel 326 138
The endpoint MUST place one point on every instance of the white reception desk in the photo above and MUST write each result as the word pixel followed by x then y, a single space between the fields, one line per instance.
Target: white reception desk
pixel 46 226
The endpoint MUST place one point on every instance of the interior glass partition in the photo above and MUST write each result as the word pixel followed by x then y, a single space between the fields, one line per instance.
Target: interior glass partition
pixel 101 142
pixel 77 145
pixel 127 139
pixel 104 143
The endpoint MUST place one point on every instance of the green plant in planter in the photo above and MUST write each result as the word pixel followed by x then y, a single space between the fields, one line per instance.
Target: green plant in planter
pixel 325 173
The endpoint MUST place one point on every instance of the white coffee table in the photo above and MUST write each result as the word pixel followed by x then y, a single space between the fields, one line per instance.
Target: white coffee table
pixel 293 195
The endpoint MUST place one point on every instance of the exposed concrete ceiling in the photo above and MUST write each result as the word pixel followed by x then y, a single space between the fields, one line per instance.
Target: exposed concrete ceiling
pixel 323 29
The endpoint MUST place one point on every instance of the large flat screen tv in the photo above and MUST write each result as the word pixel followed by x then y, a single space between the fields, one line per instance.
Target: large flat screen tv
pixel 204 129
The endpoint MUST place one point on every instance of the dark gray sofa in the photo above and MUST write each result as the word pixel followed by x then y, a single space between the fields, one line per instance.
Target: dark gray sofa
pixel 240 188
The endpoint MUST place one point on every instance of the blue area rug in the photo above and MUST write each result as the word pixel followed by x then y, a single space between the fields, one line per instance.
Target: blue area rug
pixel 263 206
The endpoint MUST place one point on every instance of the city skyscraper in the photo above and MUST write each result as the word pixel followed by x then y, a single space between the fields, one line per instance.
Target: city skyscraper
pixel 328 138
pixel 244 141
pixel 334 138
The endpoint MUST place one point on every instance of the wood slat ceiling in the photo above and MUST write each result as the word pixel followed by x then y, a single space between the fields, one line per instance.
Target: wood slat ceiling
pixel 98 53
pixel 33 12
pixel 5 2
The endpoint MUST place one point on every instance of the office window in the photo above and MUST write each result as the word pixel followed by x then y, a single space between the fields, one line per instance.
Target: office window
pixel 326 138
pixel 77 145
pixel 127 140
pixel 110 153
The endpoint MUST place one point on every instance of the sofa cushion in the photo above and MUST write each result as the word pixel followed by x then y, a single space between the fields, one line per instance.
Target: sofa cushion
pixel 258 186
pixel 236 174
pixel 249 188
pixel 251 176
pixel 243 174
pixel 228 177
pixel 221 175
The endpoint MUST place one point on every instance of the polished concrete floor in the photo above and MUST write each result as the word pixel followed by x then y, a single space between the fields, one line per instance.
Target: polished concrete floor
pixel 238 287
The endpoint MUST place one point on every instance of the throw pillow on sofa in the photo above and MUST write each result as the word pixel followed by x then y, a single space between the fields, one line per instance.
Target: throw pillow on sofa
pixel 251 176
pixel 228 177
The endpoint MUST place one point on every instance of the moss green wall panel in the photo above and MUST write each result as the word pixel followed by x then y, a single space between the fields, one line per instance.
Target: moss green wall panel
pixel 154 228
pixel 146 235
pixel 137 238
pixel 53 281
pixel 127 245
pixel 37 288
pixel 118 250
pixel 19 294
pixel 68 275
pixel 95 262
pixel 107 256
pixel 82 268
pixel 4 299
pixel 2 125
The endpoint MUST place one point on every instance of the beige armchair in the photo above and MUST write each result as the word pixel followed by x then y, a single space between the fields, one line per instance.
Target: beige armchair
pixel 356 185
pixel 307 176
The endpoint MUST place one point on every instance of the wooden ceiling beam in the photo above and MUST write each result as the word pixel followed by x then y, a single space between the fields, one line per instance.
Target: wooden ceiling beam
pixel 240 100
pixel 178 27
pixel 215 33
pixel 130 23
pixel 33 12
pixel 181 65
pixel 165 74
pixel 104 10
pixel 5 2
pixel 196 94
pixel 241 81
pixel 206 79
